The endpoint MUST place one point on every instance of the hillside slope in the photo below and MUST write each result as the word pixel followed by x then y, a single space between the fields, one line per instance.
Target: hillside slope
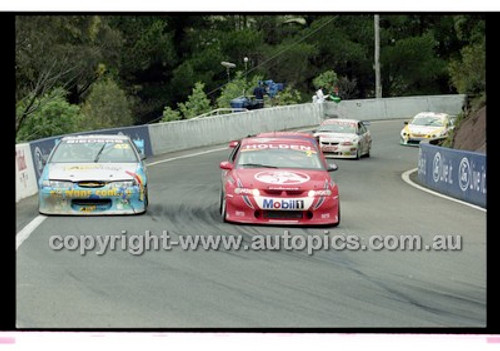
pixel 471 133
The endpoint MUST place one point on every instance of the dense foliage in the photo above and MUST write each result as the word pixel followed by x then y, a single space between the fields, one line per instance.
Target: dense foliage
pixel 99 71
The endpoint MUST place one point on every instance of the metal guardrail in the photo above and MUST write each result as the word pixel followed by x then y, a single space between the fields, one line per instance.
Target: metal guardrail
pixel 222 110
pixel 218 111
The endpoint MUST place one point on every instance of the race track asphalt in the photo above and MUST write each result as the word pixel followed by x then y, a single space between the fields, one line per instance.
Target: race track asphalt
pixel 256 288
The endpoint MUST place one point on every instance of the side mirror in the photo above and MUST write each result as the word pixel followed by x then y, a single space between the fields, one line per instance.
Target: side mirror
pixel 226 165
pixel 139 143
pixel 143 156
pixel 233 144
pixel 332 167
pixel 45 158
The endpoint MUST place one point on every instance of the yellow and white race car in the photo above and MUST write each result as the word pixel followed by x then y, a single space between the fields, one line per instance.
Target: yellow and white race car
pixel 426 125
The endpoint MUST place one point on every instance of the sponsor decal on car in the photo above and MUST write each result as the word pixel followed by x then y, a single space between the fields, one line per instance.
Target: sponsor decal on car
pixel 269 203
pixel 277 146
pixel 283 204
pixel 100 166
pixel 341 123
pixel 139 181
pixel 84 194
pixel 282 177
pixel 96 140
pixel 89 208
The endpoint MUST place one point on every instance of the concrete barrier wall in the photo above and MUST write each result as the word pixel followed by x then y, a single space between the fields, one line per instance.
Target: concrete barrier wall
pixel 26 183
pixel 401 107
pixel 458 173
pixel 181 135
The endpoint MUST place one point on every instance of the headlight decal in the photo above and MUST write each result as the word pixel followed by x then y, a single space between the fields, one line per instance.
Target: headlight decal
pixel 139 181
pixel 247 201
pixel 243 191
pixel 323 196
pixel 246 191
pixel 57 184
pixel 320 202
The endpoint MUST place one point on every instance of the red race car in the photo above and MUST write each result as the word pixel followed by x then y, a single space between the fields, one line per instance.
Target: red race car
pixel 280 178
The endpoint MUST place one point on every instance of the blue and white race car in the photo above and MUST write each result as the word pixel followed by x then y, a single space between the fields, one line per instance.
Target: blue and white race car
pixel 94 175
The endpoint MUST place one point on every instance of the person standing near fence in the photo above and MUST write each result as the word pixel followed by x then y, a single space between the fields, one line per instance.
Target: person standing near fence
pixel 259 93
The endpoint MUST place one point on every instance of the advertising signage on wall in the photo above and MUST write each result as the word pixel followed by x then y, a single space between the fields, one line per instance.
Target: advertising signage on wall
pixel 460 174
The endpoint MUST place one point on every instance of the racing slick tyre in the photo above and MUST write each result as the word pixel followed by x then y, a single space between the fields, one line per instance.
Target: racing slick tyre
pixel 222 207
pixel 146 199
pixel 338 222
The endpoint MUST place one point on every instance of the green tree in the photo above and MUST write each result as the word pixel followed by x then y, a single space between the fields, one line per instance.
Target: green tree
pixel 470 28
pixel 348 88
pixel 411 67
pixel 146 61
pixel 468 69
pixel 106 106
pixel 289 96
pixel 196 104
pixel 54 116
pixel 201 67
pixel 170 114
pixel 468 74
pixel 157 59
pixel 237 87
pixel 328 80
pixel 292 63
pixel 345 44
pixel 60 51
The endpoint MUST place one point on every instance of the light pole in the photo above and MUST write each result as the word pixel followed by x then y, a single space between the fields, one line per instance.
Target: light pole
pixel 228 66
pixel 245 60
pixel 378 85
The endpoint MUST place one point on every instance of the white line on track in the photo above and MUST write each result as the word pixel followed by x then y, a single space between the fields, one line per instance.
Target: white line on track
pixel 406 178
pixel 186 156
pixel 24 233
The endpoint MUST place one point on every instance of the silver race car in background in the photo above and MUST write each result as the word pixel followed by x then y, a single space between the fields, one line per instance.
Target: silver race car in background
pixel 344 138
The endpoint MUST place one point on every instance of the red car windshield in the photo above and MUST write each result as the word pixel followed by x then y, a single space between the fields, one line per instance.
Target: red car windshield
pixel 298 156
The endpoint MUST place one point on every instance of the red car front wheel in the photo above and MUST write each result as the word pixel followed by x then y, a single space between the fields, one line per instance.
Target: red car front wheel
pixel 222 207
